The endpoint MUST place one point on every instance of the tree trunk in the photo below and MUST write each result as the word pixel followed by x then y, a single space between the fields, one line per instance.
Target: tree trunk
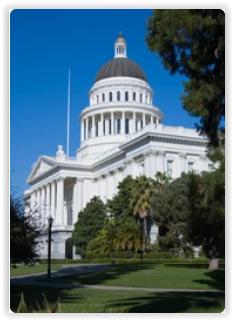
pixel 214 264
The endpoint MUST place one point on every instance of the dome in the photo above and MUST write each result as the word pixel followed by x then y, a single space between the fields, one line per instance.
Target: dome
pixel 120 67
pixel 120 39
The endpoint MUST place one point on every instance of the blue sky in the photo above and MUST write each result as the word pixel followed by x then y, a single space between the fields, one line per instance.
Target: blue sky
pixel 43 45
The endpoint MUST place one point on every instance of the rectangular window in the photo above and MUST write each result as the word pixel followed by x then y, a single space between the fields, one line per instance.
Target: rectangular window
pixel 169 168
pixel 118 125
pixel 190 166
pixel 127 125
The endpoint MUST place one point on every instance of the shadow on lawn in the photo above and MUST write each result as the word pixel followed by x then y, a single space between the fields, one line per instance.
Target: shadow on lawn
pixel 111 272
pixel 174 302
pixel 216 280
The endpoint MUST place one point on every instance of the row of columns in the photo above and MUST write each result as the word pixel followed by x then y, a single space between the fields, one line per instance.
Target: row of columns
pixel 48 200
pixel 91 120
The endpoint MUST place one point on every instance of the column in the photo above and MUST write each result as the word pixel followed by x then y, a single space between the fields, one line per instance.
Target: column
pixel 161 161
pixel 202 163
pixel 123 123
pixel 82 130
pixel 144 120
pixel 147 163
pixel 134 122
pixel 134 168
pixel 101 124
pixel 87 128
pixel 152 163
pixel 157 120
pixel 139 124
pixel 182 163
pixel 43 204
pixel 93 126
pixel 33 201
pixel 151 119
pixel 53 186
pixel 77 198
pixel 48 205
pixel 60 201
pixel 112 123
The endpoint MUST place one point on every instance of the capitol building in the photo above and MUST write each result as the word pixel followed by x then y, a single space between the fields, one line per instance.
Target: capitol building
pixel 122 134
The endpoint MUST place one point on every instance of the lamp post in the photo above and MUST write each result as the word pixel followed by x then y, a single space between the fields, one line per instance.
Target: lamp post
pixel 50 221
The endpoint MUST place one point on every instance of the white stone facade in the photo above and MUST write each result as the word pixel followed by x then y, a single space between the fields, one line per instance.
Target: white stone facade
pixel 121 134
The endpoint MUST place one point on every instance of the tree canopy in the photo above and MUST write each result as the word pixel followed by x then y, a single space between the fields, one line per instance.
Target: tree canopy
pixel 23 233
pixel 90 221
pixel 192 43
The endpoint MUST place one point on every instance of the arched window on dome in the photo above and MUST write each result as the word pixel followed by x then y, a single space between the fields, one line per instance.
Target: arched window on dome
pixel 97 99
pixel 134 96
pixel 126 96
pixel 110 96
pixel 103 98
pixel 118 96
pixel 140 98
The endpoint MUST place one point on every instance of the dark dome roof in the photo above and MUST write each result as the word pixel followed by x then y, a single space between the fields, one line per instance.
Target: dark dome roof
pixel 120 67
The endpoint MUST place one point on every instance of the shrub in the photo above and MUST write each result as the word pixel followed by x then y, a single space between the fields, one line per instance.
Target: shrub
pixel 122 255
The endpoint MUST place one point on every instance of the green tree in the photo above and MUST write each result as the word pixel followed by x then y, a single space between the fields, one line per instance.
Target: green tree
pixel 120 205
pixel 192 43
pixel 206 219
pixel 90 221
pixel 120 234
pixel 140 201
pixel 23 234
pixel 170 212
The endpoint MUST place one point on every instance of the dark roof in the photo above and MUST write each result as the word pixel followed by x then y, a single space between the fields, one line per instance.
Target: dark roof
pixel 120 67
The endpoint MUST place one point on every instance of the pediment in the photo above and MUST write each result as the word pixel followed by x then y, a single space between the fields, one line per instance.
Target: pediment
pixel 42 166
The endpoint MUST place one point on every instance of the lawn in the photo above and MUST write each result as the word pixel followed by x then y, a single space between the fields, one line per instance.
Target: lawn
pixel 26 269
pixel 135 301
pixel 150 275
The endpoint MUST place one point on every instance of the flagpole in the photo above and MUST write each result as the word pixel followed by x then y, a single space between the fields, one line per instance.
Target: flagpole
pixel 68 118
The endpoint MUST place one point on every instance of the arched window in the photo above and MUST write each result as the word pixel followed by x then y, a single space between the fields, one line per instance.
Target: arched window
pixel 110 96
pixel 118 125
pixel 103 98
pixel 140 98
pixel 126 96
pixel 97 99
pixel 118 96
pixel 127 125
pixel 134 96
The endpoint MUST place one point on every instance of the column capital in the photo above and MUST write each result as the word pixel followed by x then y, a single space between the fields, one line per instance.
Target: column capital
pixel 182 154
pixel 161 153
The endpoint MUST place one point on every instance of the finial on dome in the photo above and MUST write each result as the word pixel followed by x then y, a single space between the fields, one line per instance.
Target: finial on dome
pixel 120 47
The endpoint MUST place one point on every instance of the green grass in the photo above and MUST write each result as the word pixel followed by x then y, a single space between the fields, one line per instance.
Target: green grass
pixel 135 301
pixel 149 275
pixel 25 269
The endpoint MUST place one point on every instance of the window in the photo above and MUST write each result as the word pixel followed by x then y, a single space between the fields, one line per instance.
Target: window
pixel 118 125
pixel 190 166
pixel 118 96
pixel 104 127
pixel 97 99
pixel 134 96
pixel 127 125
pixel 169 168
pixel 140 98
pixel 146 99
pixel 110 126
pixel 103 98
pixel 96 128
pixel 126 96
pixel 110 96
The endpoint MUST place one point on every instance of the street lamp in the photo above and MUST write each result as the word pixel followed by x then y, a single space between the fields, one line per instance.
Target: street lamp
pixel 50 221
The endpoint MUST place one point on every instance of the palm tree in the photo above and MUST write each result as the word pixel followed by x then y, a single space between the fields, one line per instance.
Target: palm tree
pixel 161 181
pixel 141 194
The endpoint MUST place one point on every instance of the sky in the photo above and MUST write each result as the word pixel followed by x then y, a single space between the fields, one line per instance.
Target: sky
pixel 43 45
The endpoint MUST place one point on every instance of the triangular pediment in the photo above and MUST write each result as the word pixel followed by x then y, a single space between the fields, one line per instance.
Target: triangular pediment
pixel 42 166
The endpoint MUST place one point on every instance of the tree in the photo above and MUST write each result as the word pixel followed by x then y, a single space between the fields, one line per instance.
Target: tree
pixel 120 234
pixel 206 219
pixel 90 221
pixel 161 181
pixel 120 205
pixel 192 43
pixel 23 234
pixel 170 212
pixel 140 201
